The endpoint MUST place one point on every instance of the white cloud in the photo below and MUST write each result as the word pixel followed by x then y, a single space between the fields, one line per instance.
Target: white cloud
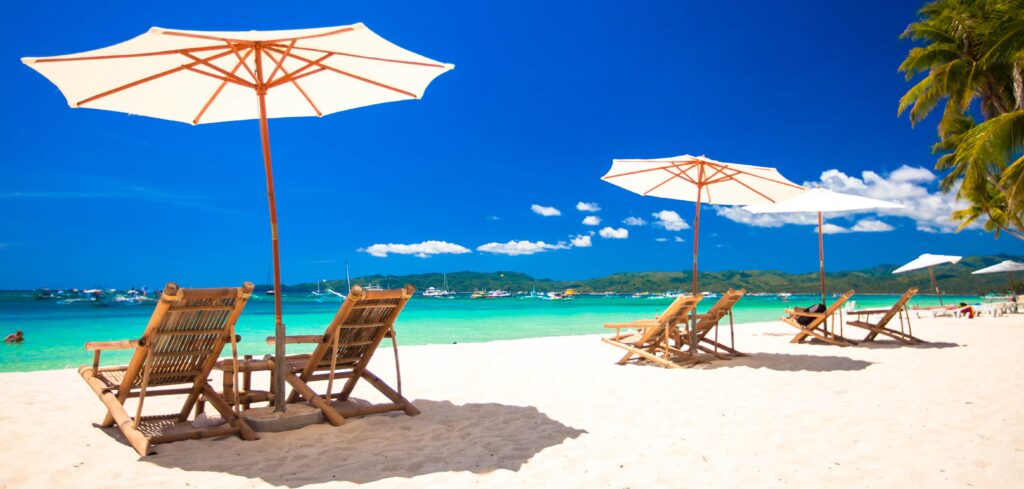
pixel 670 220
pixel 678 239
pixel 871 226
pixel 592 221
pixel 868 225
pixel 587 207
pixel 523 247
pixel 422 250
pixel 661 240
pixel 829 228
pixel 914 187
pixel 545 211
pixel 612 233
pixel 581 241
pixel 493 218
pixel 634 221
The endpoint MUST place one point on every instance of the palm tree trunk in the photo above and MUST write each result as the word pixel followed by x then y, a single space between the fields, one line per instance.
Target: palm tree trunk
pixel 1018 85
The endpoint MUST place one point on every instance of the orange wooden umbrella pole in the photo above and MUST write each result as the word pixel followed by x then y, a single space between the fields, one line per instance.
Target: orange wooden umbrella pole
pixel 821 257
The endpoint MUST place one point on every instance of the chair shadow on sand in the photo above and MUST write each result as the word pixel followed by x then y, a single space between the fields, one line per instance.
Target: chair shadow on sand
pixel 476 438
pixel 788 362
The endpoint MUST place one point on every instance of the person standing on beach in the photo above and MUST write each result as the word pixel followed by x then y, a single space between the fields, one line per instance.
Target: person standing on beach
pixel 15 337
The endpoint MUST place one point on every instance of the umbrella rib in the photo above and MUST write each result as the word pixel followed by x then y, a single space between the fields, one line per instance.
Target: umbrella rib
pixel 270 78
pixel 313 36
pixel 372 58
pixel 737 170
pixel 132 55
pixel 216 93
pixel 215 76
pixel 296 74
pixel 350 75
pixel 644 170
pixel 244 64
pixel 752 189
pixel 280 64
pixel 669 179
pixel 228 75
pixel 149 78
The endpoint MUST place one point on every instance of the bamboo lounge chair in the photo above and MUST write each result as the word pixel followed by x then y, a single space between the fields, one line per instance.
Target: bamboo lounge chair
pixel 879 327
pixel 817 325
pixel 710 320
pixel 344 350
pixel 654 335
pixel 179 347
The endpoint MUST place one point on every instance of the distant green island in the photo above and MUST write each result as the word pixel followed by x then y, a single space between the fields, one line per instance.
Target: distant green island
pixel 953 279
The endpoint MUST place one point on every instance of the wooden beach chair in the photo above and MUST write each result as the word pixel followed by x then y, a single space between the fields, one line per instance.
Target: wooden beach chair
pixel 344 351
pixel 654 335
pixel 182 341
pixel 817 327
pixel 879 327
pixel 709 321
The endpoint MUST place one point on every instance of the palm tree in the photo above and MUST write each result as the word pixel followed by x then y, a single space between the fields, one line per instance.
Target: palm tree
pixel 974 51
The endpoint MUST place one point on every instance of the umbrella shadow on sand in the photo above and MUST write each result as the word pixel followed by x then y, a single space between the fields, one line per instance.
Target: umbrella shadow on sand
pixel 787 362
pixel 885 344
pixel 477 438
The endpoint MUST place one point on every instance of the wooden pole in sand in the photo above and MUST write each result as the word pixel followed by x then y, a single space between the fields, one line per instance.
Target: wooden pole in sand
pixel 279 333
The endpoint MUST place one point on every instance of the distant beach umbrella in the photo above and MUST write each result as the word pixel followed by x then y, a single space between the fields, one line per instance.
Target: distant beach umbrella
pixel 929 261
pixel 1007 266
pixel 819 200
pixel 704 181
pixel 200 77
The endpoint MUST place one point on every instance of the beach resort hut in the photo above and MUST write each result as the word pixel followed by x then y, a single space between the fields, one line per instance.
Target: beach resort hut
pixel 201 77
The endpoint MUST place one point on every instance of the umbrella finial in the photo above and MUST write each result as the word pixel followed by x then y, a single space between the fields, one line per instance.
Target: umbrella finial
pixel 157 30
pixel 28 61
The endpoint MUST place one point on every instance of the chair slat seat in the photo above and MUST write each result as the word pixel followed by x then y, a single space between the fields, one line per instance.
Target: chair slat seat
pixel 657 336
pixel 880 325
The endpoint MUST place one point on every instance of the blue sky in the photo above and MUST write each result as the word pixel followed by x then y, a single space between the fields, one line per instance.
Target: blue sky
pixel 543 96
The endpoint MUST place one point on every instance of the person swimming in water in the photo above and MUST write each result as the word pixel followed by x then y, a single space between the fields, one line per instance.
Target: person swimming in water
pixel 15 337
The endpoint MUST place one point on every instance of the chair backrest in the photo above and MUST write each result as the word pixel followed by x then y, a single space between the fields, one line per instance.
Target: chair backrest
pixel 898 306
pixel 720 309
pixel 361 323
pixel 186 334
pixel 678 310
pixel 834 307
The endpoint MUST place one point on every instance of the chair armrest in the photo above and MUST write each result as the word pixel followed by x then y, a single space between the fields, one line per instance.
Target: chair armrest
pixel 289 340
pixel 804 313
pixel 113 345
pixel 866 311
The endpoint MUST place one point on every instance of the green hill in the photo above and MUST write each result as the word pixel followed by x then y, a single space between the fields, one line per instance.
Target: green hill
pixel 953 279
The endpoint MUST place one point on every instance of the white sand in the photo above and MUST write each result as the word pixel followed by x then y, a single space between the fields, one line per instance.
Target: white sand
pixel 557 412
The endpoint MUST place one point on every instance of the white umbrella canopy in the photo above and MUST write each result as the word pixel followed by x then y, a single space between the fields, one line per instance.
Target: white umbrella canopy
pixel 1001 267
pixel 702 180
pixel 821 200
pixel 200 77
pixel 929 261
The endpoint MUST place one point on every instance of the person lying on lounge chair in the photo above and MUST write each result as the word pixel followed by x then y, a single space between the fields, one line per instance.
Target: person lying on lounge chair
pixel 965 310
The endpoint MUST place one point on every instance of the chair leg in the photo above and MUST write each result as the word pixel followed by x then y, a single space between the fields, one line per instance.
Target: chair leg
pixel 390 393
pixel 224 409
pixel 117 412
pixel 298 386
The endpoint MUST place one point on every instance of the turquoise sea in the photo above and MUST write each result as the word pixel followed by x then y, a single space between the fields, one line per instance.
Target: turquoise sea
pixel 55 334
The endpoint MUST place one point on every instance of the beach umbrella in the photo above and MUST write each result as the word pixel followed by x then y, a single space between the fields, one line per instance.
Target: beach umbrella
pixel 929 261
pixel 819 200
pixel 1008 267
pixel 199 77
pixel 704 181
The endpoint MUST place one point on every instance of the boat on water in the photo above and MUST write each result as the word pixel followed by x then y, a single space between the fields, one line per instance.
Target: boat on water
pixel 783 296
pixel 709 295
pixel 442 293
pixel 478 294
pixel 534 294
pixel 498 294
